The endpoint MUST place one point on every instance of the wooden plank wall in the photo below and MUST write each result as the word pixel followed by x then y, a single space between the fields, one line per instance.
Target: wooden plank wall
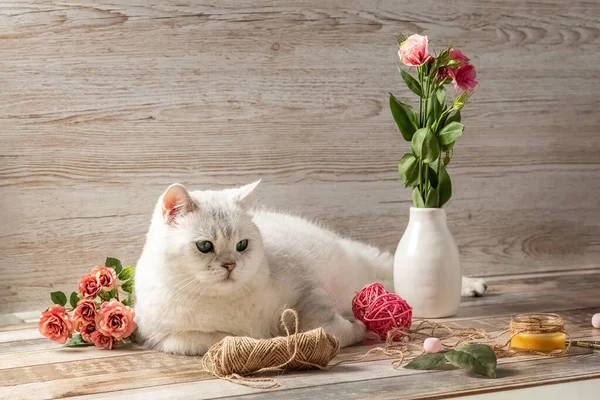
pixel 103 104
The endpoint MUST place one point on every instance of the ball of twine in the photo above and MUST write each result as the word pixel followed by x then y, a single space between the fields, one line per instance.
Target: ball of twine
pixel 381 311
pixel 235 357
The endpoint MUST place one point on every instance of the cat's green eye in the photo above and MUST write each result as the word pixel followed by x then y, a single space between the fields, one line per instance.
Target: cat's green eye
pixel 204 246
pixel 242 245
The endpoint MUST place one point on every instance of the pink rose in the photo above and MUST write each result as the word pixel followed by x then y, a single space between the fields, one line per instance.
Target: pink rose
pixel 115 319
pixel 464 77
pixel 89 286
pixel 85 311
pixel 106 276
pixel 87 331
pixel 56 325
pixel 414 51
pixel 102 341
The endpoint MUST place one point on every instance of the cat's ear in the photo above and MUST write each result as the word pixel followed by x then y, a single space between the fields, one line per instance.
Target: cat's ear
pixel 245 196
pixel 176 201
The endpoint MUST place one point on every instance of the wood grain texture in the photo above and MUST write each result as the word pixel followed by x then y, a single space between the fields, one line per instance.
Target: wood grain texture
pixel 103 104
pixel 30 370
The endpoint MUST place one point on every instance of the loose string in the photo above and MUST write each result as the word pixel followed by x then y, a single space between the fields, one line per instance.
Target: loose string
pixel 235 358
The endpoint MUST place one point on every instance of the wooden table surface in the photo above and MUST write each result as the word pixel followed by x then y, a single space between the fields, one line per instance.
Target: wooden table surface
pixel 32 367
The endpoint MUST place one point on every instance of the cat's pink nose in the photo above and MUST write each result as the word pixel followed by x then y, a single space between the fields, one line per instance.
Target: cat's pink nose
pixel 228 266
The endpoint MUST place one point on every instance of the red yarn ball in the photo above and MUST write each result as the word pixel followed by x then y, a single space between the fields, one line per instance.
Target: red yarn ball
pixel 380 310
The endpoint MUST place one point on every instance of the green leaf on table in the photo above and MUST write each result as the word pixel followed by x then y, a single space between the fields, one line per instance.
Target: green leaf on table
pixel 425 145
pixel 417 198
pixel 77 341
pixel 427 361
pixel 432 199
pixel 405 117
pixel 450 133
pixel 444 186
pixel 408 167
pixel 59 298
pixel 74 299
pixel 411 82
pixel 114 263
pixel 128 286
pixel 477 358
pixel 126 273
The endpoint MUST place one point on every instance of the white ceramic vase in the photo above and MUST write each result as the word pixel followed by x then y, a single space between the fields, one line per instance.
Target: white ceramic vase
pixel 427 270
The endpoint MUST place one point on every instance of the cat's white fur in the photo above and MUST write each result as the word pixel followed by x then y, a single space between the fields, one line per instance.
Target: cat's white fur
pixel 187 301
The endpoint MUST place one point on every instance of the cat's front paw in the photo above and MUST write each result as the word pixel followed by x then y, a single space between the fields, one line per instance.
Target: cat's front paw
pixel 188 343
pixel 473 287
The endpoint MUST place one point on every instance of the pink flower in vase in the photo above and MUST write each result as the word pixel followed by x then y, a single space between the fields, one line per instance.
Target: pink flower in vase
pixel 464 78
pixel 414 51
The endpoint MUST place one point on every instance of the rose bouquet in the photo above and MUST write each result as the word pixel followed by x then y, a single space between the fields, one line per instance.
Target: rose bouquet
pixel 97 315
pixel 433 131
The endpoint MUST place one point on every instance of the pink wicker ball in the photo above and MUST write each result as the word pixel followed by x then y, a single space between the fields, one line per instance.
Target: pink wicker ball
pixel 380 310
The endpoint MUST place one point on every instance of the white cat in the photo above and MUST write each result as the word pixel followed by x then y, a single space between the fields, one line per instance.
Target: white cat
pixel 213 267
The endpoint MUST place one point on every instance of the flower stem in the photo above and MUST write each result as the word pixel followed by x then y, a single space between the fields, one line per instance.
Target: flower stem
pixel 426 182
pixel 420 72
pixel 438 173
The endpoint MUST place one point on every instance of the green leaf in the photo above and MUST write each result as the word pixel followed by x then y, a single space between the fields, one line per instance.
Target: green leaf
pixel 133 334
pixel 444 186
pixel 114 263
pixel 128 286
pixel 104 296
pixel 59 298
pixel 432 175
pixel 477 358
pixel 112 293
pixel 440 94
pixel 433 198
pixel 435 106
pixel 77 341
pixel 126 273
pixel 411 82
pixel 409 170
pixel 454 118
pixel 425 145
pixel 417 198
pixel 446 160
pixel 428 361
pixel 450 133
pixel 74 299
pixel 460 100
pixel 405 118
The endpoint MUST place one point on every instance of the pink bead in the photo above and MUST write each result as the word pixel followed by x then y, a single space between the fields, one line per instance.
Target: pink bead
pixel 596 321
pixel 432 345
